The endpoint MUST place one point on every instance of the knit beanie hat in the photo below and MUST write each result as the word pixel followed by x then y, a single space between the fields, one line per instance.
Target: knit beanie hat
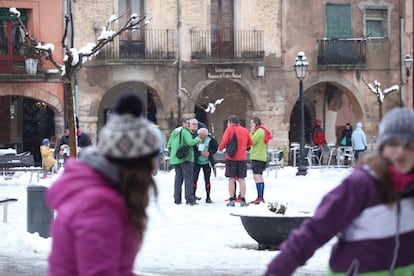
pixel 128 137
pixel 45 142
pixel 397 124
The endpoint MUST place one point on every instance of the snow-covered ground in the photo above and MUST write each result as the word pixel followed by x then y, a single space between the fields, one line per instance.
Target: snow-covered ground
pixel 184 240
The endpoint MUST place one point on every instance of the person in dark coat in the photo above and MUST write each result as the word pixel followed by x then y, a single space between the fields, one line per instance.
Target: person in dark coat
pixel 346 136
pixel 62 147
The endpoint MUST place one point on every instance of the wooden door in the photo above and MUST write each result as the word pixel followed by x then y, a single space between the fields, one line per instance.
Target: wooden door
pixel 222 28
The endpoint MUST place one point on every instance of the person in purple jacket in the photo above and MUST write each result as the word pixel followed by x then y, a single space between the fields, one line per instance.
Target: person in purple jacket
pixel 101 197
pixel 371 212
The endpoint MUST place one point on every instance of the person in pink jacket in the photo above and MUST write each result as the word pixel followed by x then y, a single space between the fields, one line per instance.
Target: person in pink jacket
pixel 101 198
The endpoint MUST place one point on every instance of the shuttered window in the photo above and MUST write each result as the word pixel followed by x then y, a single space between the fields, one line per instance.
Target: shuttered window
pixel 131 42
pixel 128 7
pixel 338 20
pixel 222 24
pixel 376 23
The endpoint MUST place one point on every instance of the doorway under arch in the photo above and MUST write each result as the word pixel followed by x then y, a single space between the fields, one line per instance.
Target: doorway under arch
pixel 331 102
pixel 24 122
pixel 147 94
pixel 294 131
pixel 236 101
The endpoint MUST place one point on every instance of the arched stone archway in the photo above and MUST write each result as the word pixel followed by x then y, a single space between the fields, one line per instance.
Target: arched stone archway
pixel 332 99
pixel 294 131
pixel 27 115
pixel 236 100
pixel 146 93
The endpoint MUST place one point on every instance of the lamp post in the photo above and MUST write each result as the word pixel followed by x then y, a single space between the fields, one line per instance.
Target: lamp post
pixel 301 65
pixel 408 61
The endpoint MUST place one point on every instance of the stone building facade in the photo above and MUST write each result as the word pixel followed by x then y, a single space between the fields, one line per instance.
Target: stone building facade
pixel 261 86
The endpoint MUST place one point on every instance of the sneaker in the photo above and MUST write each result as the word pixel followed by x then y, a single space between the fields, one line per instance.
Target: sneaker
pixel 244 204
pixel 208 200
pixel 230 203
pixel 192 203
pixel 257 201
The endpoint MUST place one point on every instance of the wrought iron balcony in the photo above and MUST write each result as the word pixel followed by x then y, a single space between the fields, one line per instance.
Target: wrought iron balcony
pixel 342 51
pixel 227 44
pixel 144 45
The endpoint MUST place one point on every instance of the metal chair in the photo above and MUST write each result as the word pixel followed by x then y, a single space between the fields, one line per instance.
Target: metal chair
pixel 344 153
pixel 164 159
pixel 294 150
pixel 275 158
pixel 332 152
pixel 314 153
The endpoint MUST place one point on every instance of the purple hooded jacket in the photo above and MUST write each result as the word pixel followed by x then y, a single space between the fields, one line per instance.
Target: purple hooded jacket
pixel 368 239
pixel 91 234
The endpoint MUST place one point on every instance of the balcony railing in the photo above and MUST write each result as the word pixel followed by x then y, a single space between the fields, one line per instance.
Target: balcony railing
pixel 342 51
pixel 140 44
pixel 227 44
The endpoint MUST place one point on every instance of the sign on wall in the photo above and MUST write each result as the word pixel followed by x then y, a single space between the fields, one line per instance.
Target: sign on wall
pixel 223 72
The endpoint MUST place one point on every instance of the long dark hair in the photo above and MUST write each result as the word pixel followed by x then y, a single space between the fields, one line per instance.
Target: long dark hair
pixel 257 121
pixel 135 173
pixel 134 185
pixel 380 166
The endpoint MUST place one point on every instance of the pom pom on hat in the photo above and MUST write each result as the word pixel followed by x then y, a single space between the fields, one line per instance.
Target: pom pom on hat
pixel 397 124
pixel 127 135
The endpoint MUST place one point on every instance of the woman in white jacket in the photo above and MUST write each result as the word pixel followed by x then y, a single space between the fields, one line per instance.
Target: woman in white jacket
pixel 359 140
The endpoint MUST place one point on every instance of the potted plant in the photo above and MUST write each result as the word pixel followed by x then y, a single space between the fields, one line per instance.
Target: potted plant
pixel 31 54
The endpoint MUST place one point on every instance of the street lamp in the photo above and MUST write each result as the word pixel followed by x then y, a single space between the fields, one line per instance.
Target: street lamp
pixel 408 61
pixel 301 66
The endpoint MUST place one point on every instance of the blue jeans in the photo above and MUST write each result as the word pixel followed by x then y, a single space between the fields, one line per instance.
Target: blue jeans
pixel 184 172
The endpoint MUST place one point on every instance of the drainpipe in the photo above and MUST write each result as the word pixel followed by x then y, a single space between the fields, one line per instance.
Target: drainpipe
pixel 402 86
pixel 179 61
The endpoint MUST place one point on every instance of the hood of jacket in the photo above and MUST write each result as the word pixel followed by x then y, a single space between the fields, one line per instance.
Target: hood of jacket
pixel 90 170
pixel 359 125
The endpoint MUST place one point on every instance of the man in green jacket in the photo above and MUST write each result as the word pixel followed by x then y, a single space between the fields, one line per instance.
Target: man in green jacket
pixel 181 136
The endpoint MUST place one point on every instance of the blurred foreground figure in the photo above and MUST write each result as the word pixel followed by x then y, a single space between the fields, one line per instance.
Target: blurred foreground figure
pixel 101 197
pixel 371 212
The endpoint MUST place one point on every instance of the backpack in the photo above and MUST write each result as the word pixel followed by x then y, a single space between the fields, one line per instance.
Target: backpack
pixel 231 148
pixel 182 150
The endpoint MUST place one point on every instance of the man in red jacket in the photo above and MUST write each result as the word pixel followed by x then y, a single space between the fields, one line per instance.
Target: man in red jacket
pixel 236 165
